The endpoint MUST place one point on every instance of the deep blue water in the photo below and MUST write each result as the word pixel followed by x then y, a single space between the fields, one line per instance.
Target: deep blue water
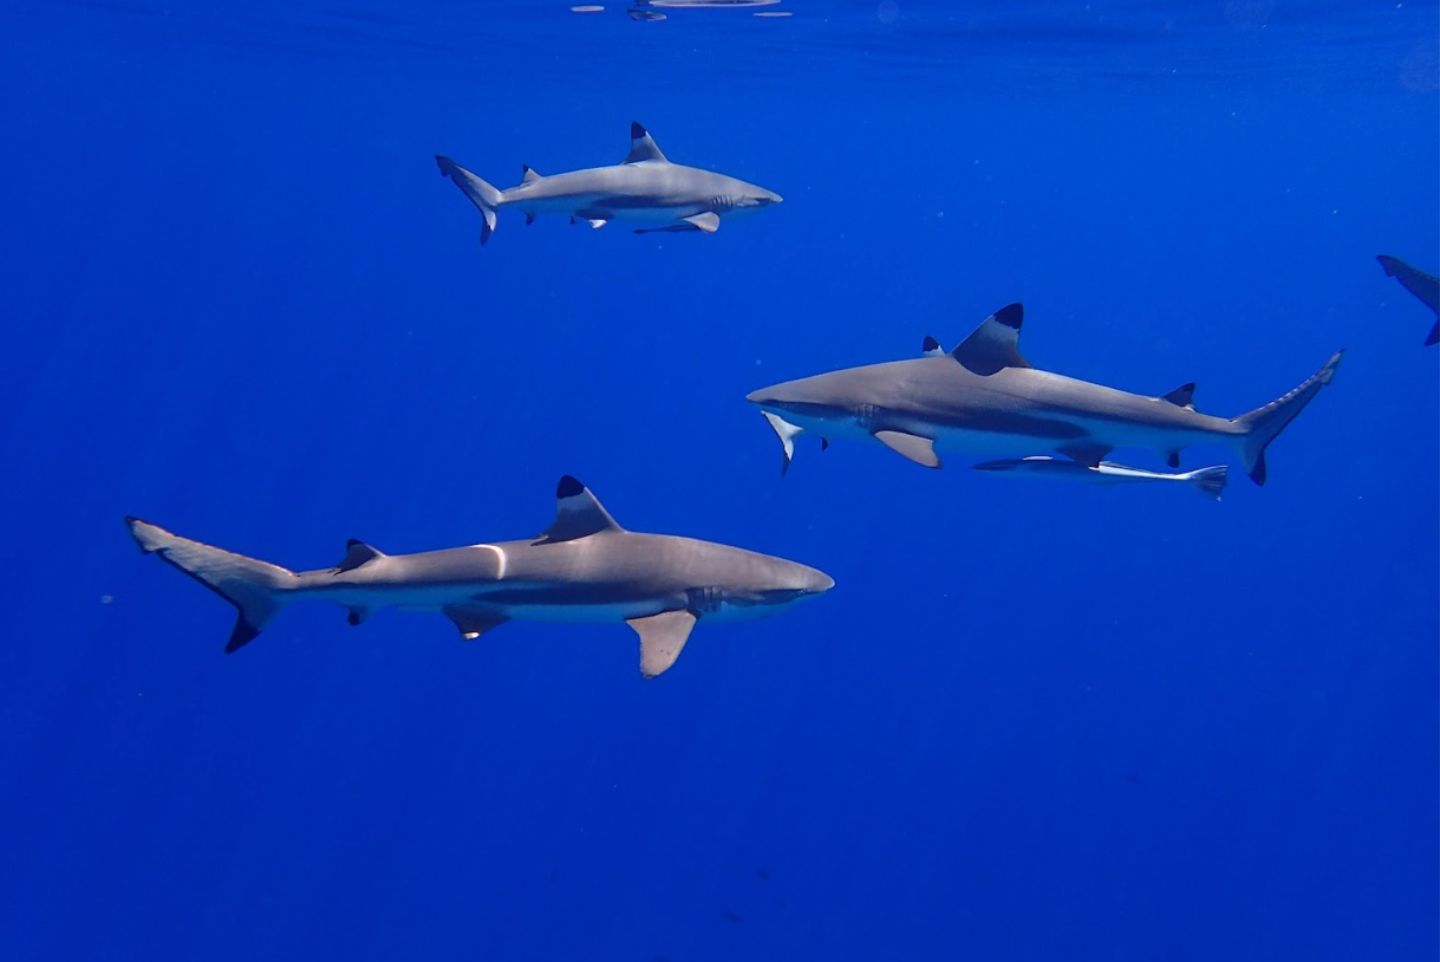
pixel 1031 722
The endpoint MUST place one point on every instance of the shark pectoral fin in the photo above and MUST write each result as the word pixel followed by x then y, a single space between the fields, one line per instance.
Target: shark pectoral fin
pixel 642 146
pixel 662 638
pixel 474 620
pixel 578 513
pixel 1086 454
pixel 707 221
pixel 786 432
pixel 911 446
pixel 357 553
pixel 995 344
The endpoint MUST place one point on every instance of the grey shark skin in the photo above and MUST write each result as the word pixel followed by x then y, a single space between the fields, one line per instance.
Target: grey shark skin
pixel 1208 481
pixel 585 568
pixel 1422 285
pixel 645 188
pixel 985 398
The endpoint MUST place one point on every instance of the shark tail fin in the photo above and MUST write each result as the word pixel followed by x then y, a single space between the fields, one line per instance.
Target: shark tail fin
pixel 485 197
pixel 256 588
pixel 1210 481
pixel 1264 424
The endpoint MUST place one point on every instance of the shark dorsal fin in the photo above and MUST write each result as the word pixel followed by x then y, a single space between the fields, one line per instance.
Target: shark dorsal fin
pixel 930 347
pixel 530 175
pixel 357 553
pixel 1184 396
pixel 995 344
pixel 643 146
pixel 577 514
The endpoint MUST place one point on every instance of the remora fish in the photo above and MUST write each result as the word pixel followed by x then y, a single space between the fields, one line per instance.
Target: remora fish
pixel 1422 285
pixel 984 397
pixel 1208 481
pixel 645 188
pixel 584 568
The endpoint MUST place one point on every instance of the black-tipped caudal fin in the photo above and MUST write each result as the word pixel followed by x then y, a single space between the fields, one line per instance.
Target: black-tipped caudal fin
pixel 1264 424
pixel 256 588
pixel 1210 481
pixel 485 197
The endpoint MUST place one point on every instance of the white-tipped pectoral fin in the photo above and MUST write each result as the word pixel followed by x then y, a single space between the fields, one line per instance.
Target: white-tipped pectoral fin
pixel 662 638
pixel 786 432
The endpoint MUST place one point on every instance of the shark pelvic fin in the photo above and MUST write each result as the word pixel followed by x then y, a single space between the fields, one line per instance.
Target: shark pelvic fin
pixel 643 147
pixel 786 432
pixel 578 513
pixel 662 638
pixel 357 553
pixel 911 446
pixel 995 344
pixel 473 620
pixel 1184 396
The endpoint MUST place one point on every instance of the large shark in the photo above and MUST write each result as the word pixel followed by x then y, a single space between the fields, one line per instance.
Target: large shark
pixel 585 568
pixel 644 188
pixel 1422 285
pixel 985 398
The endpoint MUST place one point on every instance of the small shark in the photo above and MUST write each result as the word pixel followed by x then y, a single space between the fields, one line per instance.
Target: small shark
pixel 644 188
pixel 1422 285
pixel 1208 481
pixel 984 397
pixel 584 568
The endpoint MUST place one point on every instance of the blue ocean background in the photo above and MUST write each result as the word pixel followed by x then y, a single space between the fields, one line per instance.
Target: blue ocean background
pixel 1033 721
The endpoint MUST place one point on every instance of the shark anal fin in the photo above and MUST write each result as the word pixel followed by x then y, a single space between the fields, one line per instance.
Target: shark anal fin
pixel 910 446
pixel 474 620
pixel 786 432
pixel 662 638
pixel 995 344
pixel 642 146
pixel 824 444
pixel 357 553
pixel 529 218
pixel 578 513
pixel 1183 396
pixel 356 616
pixel 1087 454
pixel 706 221
pixel 1173 459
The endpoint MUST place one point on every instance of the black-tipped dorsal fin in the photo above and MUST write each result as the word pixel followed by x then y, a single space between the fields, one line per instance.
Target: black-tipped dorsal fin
pixel 995 344
pixel 578 513
pixel 530 175
pixel 1184 396
pixel 930 347
pixel 357 553
pixel 643 146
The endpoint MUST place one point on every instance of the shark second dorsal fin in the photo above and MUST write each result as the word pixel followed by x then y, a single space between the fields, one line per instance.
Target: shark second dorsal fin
pixel 995 344
pixel 931 347
pixel 577 514
pixel 1184 396
pixel 643 146
pixel 529 174
pixel 357 553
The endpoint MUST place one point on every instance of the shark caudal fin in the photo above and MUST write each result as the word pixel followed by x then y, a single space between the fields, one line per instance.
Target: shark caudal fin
pixel 485 197
pixel 1264 424
pixel 1209 481
pixel 256 588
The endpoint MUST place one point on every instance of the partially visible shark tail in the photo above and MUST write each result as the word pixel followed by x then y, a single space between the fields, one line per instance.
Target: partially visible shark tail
pixel 256 588
pixel 481 194
pixel 1210 481
pixel 1264 424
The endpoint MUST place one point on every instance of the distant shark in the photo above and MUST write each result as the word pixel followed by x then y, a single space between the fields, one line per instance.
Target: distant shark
pixel 585 568
pixel 1208 481
pixel 644 188
pixel 984 397
pixel 1422 285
